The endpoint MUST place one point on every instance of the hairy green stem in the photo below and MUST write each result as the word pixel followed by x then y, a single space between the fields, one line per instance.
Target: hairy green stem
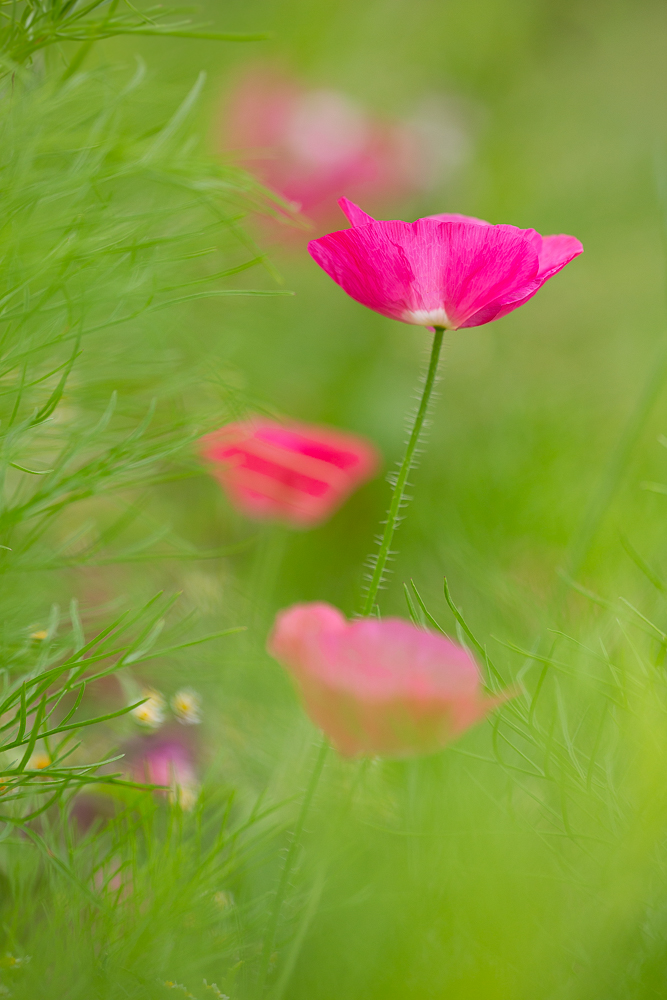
pixel 285 874
pixel 397 497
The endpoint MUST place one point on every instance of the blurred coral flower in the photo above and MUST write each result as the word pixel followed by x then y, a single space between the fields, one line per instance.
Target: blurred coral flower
pixel 293 473
pixel 379 687
pixel 448 271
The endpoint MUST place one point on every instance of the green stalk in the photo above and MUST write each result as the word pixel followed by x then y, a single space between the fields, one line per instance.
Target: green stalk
pixel 264 574
pixel 281 891
pixel 397 497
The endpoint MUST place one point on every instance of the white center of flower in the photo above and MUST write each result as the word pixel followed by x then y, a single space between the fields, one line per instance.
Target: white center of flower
pixel 428 317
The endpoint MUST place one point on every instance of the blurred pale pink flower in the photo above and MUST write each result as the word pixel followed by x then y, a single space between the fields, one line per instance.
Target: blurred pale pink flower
pixel 294 473
pixel 446 270
pixel 165 761
pixel 310 145
pixel 379 687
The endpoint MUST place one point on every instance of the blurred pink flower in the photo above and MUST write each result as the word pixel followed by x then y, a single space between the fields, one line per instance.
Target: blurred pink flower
pixel 294 473
pixel 166 761
pixel 450 271
pixel 379 687
pixel 310 145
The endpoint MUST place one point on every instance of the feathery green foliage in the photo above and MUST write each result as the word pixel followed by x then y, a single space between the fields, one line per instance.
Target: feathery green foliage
pixel 101 241
pixel 28 27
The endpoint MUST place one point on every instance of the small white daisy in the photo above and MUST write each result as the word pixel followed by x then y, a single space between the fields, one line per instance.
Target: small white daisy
pixel 151 713
pixel 186 706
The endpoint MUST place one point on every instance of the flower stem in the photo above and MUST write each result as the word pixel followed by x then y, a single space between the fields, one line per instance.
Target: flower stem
pixel 397 497
pixel 281 891
pixel 264 574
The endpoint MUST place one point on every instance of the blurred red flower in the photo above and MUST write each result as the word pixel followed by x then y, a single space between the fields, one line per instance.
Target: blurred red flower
pixel 450 271
pixel 294 473
pixel 311 145
pixel 379 687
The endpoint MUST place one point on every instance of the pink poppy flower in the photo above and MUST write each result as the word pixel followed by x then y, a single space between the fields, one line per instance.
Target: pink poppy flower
pixel 379 687
pixel 449 271
pixel 294 473
pixel 311 145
